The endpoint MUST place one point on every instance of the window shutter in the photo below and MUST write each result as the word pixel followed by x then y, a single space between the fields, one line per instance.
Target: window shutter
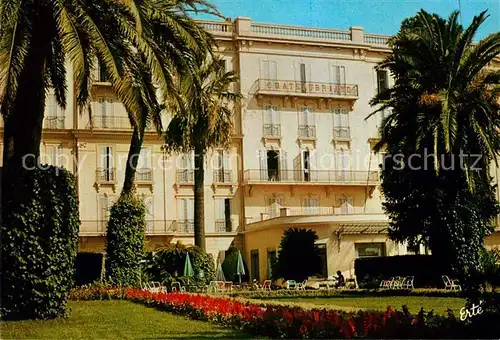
pixel 219 209
pixel 182 208
pixel 263 164
pixel 269 70
pixel 339 75
pixel 51 106
pixel 226 160
pixel 190 209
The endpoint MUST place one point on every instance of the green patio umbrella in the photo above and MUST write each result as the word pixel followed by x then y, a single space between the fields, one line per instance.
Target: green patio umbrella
pixel 188 268
pixel 220 273
pixel 240 267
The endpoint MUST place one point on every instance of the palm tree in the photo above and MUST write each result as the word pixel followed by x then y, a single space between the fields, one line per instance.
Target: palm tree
pixel 444 106
pixel 202 121
pixel 37 37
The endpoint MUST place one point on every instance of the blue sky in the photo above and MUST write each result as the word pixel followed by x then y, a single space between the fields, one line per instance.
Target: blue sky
pixel 375 16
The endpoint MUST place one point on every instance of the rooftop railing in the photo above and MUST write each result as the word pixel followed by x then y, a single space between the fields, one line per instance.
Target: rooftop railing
pixel 312 176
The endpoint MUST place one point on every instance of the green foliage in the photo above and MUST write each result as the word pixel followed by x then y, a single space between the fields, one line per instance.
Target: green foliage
pixel 229 266
pixel 167 265
pixel 441 136
pixel 299 255
pixel 125 241
pixel 97 291
pixel 490 260
pixel 39 243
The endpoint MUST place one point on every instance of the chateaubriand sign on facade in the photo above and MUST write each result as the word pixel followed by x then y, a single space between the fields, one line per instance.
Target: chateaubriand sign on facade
pixel 291 86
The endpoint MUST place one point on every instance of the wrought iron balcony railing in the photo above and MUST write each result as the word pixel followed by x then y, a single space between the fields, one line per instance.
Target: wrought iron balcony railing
pixel 105 175
pixel 144 175
pixel 54 122
pixel 112 122
pixel 307 131
pixel 223 176
pixel 314 89
pixel 271 130
pixel 185 176
pixel 184 226
pixel 312 176
pixel 341 132
pixel 223 226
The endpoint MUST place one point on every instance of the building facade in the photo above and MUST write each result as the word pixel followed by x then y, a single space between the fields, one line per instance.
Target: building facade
pixel 301 155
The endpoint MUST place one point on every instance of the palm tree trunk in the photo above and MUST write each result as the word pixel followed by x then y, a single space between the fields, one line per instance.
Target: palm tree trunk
pixel 199 197
pixel 23 125
pixel 132 160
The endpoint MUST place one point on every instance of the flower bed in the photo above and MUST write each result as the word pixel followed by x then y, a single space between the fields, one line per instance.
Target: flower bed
pixel 282 321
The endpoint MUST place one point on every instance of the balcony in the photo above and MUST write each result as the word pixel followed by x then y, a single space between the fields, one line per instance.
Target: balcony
pixel 224 226
pixel 307 131
pixel 341 133
pixel 271 131
pixel 159 227
pixel 311 177
pixel 105 175
pixel 306 89
pixel 153 227
pixel 112 123
pixel 223 176
pixel 144 175
pixel 185 176
pixel 184 226
pixel 54 122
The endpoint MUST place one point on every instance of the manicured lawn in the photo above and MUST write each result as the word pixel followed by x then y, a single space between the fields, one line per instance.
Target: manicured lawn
pixel 116 320
pixel 349 303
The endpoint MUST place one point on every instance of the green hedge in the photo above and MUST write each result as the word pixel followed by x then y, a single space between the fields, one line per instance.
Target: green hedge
pixel 89 268
pixel 167 265
pixel 39 243
pixel 125 241
pixel 425 269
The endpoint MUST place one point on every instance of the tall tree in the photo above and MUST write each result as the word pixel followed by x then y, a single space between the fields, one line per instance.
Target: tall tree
pixel 38 37
pixel 441 136
pixel 203 120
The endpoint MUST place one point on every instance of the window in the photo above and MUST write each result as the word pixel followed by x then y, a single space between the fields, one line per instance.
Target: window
pixel 185 168
pixel 346 205
pixel 144 160
pixel 104 120
pixel 51 156
pixel 271 262
pixel 271 121
pixel 106 172
pixel 311 205
pixel 342 166
pixel 222 171
pixel 105 203
pixel 323 259
pixel 51 106
pixel 307 165
pixel 222 64
pixel 186 215
pixel 274 205
pixel 338 75
pixel 269 70
pixel 341 123
pixel 303 79
pixel 54 117
pixel 254 263
pixel 148 202
pixel 306 122
pixel 382 80
pixel 369 249
pixel 223 215
pixel 102 74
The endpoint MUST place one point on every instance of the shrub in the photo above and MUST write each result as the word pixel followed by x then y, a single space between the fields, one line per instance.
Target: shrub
pixel 229 266
pixel 299 255
pixel 89 268
pixel 426 270
pixel 125 241
pixel 97 291
pixel 167 265
pixel 490 260
pixel 39 243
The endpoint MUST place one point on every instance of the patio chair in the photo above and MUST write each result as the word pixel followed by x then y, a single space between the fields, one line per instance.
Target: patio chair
pixel 228 286
pixel 156 287
pixel 176 287
pixel 408 282
pixel 212 287
pixel 290 284
pixel 301 285
pixel 451 284
pixel 397 283
pixel 267 285
pixel 351 283
pixel 220 286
